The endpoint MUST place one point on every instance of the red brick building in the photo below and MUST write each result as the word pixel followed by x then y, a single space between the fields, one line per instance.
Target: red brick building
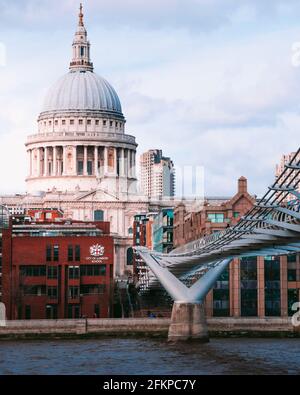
pixel 251 286
pixel 57 270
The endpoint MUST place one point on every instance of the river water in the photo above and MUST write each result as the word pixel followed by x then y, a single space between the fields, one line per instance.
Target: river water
pixel 148 356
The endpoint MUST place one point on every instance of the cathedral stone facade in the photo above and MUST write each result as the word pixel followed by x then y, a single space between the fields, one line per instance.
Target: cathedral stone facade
pixel 81 161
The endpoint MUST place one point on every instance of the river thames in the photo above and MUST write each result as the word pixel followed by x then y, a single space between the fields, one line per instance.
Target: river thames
pixel 148 356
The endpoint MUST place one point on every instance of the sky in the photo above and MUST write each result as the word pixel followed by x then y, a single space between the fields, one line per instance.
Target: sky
pixel 213 83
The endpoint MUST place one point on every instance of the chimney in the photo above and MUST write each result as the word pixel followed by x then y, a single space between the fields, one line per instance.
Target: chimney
pixel 242 185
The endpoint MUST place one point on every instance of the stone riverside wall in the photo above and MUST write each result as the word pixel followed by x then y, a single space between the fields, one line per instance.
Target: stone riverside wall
pixel 143 326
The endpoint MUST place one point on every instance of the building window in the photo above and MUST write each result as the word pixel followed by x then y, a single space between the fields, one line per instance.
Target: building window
pixel 77 253
pixel 52 292
pixel 33 271
pixel 98 215
pixel 56 122
pixel 73 292
pixel 81 51
pixel 236 214
pixel 248 270
pixel 97 122
pixel 50 123
pixel 292 267
pixel 34 290
pixel 52 272
pixel 292 298
pixel 73 272
pixel 48 253
pixel 221 306
pixel 272 286
pixel 55 253
pixel 96 311
pixel 89 122
pixel 93 270
pixel 70 253
pixel 80 167
pixel 92 289
pixel 63 122
pixel 130 230
pixel 71 121
pixel 216 217
pixel 129 256
pixel 104 122
pixel 89 167
pixel 80 121
pixel 27 312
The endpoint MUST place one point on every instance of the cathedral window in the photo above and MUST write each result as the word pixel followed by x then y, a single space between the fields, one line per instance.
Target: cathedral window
pixel 110 123
pixel 80 121
pixel 71 121
pixel 98 215
pixel 104 122
pixel 81 51
pixel 63 122
pixel 80 167
pixel 89 122
pixel 56 122
pixel 97 122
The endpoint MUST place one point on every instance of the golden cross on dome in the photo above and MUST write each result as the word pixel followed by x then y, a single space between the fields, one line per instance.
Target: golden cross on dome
pixel 80 15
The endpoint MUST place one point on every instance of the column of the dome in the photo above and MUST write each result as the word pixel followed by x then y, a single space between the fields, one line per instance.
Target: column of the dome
pixel 38 167
pixel 129 163
pixel 45 173
pixel 64 161
pixel 133 164
pixel 85 160
pixel 54 170
pixel 122 163
pixel 115 160
pixel 105 160
pixel 96 160
pixel 29 160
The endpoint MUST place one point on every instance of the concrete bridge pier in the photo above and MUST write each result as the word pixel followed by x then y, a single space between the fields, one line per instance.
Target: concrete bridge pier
pixel 188 322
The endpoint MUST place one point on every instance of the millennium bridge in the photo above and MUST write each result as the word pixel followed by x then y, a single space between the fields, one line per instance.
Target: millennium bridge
pixel 271 227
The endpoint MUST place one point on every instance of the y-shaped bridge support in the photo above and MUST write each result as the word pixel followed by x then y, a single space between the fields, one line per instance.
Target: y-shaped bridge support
pixel 188 320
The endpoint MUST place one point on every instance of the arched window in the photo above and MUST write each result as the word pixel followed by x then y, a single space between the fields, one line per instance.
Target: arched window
pixel 129 256
pixel 98 215
pixel 130 230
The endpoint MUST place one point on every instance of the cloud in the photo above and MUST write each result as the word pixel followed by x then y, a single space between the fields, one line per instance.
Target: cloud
pixel 211 83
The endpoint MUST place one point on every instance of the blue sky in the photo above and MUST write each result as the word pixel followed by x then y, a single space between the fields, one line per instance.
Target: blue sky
pixel 211 82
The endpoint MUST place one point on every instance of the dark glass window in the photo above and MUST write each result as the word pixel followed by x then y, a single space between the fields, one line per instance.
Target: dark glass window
pixel 293 297
pixel 56 253
pixel 34 290
pixel 129 256
pixel 92 289
pixel 98 215
pixel 80 167
pixel 73 292
pixel 248 270
pixel 70 253
pixel 73 272
pixel 97 311
pixel 89 167
pixel 33 271
pixel 77 253
pixel 52 292
pixel 221 306
pixel 292 267
pixel 27 312
pixel 52 272
pixel 272 286
pixel 48 253
pixel 92 270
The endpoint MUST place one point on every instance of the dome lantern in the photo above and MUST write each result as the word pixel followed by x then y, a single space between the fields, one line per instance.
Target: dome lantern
pixel 81 48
